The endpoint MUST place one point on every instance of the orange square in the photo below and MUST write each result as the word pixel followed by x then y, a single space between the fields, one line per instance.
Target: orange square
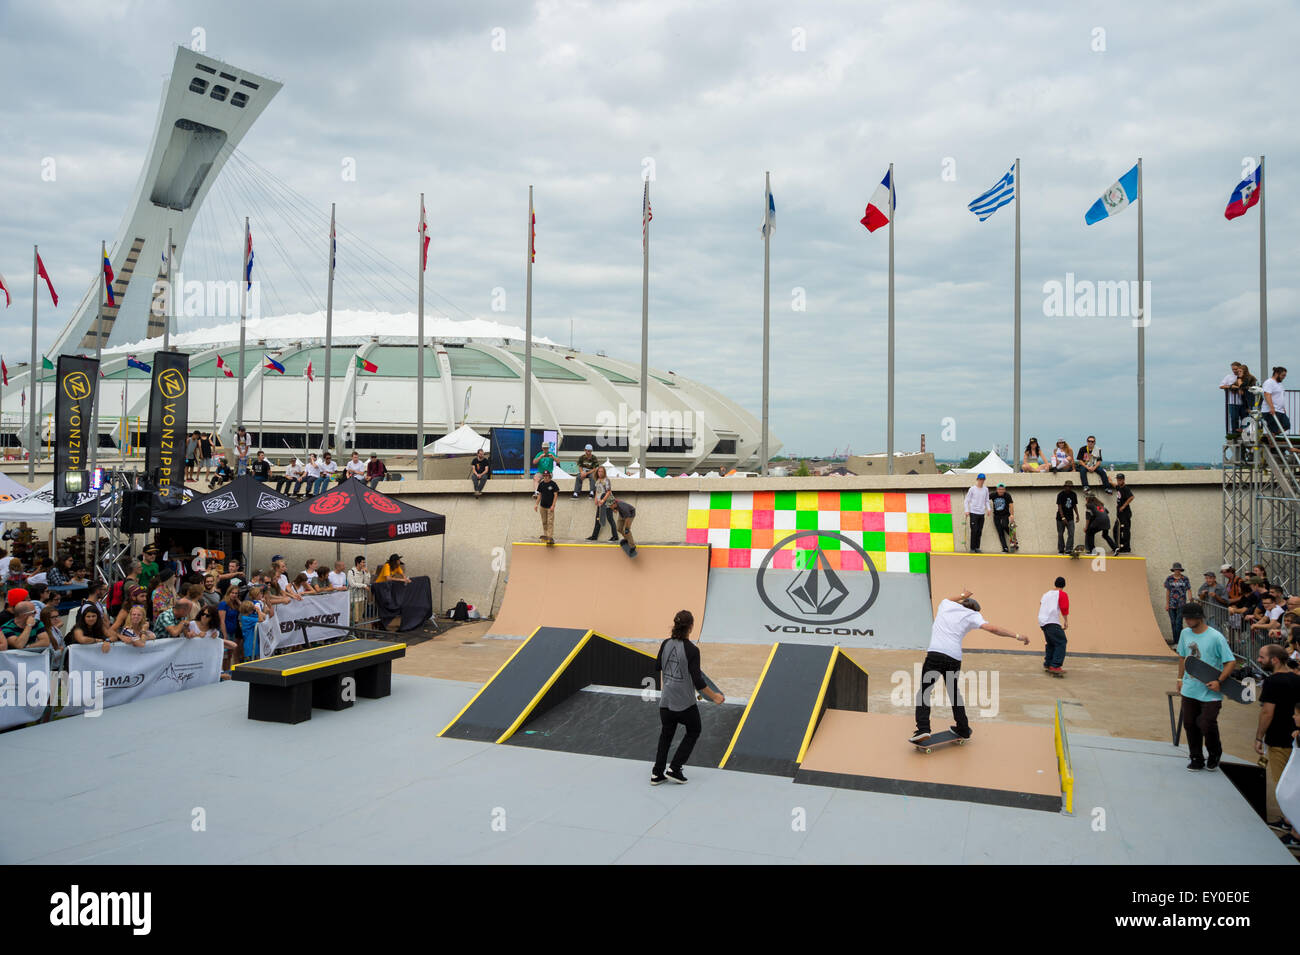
pixel 718 557
pixel 720 518
pixel 832 558
pixel 850 520
pixel 762 539
pixel 828 500
pixel 896 541
pixel 895 502
pixel 764 500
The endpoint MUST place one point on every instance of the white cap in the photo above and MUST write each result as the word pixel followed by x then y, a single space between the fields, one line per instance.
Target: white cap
pixel 588 448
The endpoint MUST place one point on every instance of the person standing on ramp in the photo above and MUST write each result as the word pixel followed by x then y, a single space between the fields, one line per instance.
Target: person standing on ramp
pixel 678 669
pixel 953 619
pixel 1053 618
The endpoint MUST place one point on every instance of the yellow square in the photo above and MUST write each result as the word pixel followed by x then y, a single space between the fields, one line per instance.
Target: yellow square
pixel 697 518
pixel 873 501
pixel 941 544
pixel 744 520
pixel 918 523
pixel 805 500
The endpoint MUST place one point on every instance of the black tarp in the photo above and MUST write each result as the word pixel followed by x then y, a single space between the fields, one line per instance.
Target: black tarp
pixel 350 513
pixel 413 602
pixel 231 507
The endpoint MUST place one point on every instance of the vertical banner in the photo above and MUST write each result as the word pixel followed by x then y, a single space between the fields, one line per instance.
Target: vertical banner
pixel 77 379
pixel 169 406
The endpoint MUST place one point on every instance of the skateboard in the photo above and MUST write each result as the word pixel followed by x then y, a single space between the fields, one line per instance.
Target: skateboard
pixel 940 739
pixel 1232 688
pixel 965 528
pixel 1079 551
pixel 1014 541
pixel 709 683
pixel 630 551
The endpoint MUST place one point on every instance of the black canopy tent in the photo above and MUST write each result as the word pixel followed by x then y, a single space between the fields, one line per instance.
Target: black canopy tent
pixel 229 508
pixel 353 513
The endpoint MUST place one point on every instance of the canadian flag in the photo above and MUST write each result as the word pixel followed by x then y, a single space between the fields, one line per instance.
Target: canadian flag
pixel 310 376
pixel 224 367
pixel 5 288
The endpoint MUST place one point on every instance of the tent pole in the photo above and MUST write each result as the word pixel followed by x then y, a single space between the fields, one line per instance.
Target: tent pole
pixel 442 563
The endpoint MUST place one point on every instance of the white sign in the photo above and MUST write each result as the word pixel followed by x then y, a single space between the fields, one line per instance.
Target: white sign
pixel 281 629
pixel 129 673
pixel 24 686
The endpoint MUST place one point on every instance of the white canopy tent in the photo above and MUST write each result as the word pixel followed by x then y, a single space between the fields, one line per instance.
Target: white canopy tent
pixel 37 507
pixel 11 490
pixel 992 464
pixel 464 440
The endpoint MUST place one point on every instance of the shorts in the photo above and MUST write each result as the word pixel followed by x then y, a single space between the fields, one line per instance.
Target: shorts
pixel 189 462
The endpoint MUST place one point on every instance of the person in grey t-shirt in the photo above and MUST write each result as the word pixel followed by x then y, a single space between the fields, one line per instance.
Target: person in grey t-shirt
pixel 678 667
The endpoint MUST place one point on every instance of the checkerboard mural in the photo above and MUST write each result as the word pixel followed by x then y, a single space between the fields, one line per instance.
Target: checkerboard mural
pixel 898 531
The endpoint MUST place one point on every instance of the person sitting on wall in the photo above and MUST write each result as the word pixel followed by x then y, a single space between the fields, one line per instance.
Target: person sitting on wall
pixel 587 465
pixel 261 468
pixel 355 468
pixel 292 474
pixel 375 470
pixel 222 475
pixel 327 470
pixel 480 471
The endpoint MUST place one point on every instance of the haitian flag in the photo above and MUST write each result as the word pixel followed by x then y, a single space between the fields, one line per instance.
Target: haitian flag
pixel 108 282
pixel 1246 194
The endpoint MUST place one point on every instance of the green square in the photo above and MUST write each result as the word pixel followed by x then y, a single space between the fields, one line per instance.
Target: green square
pixel 827 542
pixel 805 559
pixel 850 500
pixel 940 523
pixel 873 541
pixel 720 500
pixel 805 520
pixel 785 500
pixel 918 563
pixel 740 537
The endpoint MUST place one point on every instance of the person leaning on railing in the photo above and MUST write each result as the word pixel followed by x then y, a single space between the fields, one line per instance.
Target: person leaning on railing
pixel 1274 407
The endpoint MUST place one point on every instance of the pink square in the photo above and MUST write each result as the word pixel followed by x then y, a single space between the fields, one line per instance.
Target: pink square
pixel 918 543
pixel 740 556
pixel 807 542
pixel 763 520
pixel 850 560
pixel 783 560
pixel 940 504
pixel 697 535
pixel 873 521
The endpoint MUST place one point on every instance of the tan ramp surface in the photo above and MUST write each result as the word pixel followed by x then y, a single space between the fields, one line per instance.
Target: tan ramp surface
pixel 1004 764
pixel 1110 608
pixel 598 587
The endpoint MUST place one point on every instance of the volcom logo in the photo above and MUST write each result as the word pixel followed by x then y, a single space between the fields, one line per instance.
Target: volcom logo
pixel 222 502
pixel 269 502
pixel 819 594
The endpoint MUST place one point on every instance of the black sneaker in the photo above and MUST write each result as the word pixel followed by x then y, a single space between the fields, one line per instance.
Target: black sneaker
pixel 1280 826
pixel 656 779
pixel 1212 763
pixel 920 736
pixel 960 733
pixel 614 539
pixel 592 537
pixel 676 776
pixel 1196 765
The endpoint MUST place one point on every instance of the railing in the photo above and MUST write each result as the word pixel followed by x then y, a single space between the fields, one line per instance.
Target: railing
pixel 1291 405
pixel 1063 764
pixel 1243 642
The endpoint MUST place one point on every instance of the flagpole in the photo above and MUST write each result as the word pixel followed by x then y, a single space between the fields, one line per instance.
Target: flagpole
pixel 261 409
pixel 216 375
pixel 329 334
pixel 306 437
pixel 528 346
pixel 1263 279
pixel 99 347
pixel 419 356
pixel 1142 354
pixel 243 298
pixel 767 289
pixel 1015 440
pixel 643 425
pixel 34 377
pixel 890 347
pixel 167 318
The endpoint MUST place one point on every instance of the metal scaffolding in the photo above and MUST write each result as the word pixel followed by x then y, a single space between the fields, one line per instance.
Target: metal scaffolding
pixel 1261 503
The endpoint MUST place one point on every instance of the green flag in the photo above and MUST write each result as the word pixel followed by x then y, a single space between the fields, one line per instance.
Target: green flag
pixel 47 364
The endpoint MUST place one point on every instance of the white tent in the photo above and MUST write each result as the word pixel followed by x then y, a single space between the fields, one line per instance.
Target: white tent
pixel 992 464
pixel 612 470
pixel 464 440
pixel 11 490
pixel 37 506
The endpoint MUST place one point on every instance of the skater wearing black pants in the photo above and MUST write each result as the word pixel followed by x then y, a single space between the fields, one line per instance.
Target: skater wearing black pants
pixel 1098 523
pixel 977 505
pixel 603 493
pixel 954 618
pixel 1123 516
pixel 678 669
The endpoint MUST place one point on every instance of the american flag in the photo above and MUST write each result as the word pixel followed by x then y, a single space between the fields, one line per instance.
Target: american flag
pixel 646 214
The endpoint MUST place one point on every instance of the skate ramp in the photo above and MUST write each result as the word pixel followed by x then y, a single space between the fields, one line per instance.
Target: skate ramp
pixel 1110 608
pixel 598 587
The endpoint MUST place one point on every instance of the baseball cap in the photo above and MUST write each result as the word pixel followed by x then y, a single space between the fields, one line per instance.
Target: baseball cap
pixel 588 448
pixel 393 557
pixel 1000 484
pixel 1225 568
pixel 979 477
pixel 1210 573
pixel 1119 477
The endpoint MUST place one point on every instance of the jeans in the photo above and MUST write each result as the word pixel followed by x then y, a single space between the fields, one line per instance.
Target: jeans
pixel 1100 472
pixel 478 480
pixel 242 466
pixel 298 484
pixel 1176 622
pixel 1201 721
pixel 940 666
pixel 1234 417
pixel 1054 655
pixel 589 479
pixel 1002 524
pixel 1124 530
pixel 320 484
pixel 976 528
pixel 669 721
pixel 1064 535
pixel 374 481
pixel 608 515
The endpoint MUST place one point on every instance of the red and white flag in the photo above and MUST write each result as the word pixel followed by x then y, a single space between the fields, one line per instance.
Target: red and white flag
pixel 881 207
pixel 224 367
pixel 4 372
pixel 40 270
pixel 424 234
pixel 5 288
pixel 310 376
pixel 646 214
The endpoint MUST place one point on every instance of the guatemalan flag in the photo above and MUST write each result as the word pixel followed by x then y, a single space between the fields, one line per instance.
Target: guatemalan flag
pixel 1116 199
pixel 1246 194
pixel 881 207
pixel 273 365
pixel 108 282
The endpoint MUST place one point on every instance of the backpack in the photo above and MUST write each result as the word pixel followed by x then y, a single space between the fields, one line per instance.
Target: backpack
pixel 461 611
pixel 116 596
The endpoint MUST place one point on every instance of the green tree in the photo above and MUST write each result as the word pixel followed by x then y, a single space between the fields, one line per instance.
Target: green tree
pixel 803 470
pixel 972 458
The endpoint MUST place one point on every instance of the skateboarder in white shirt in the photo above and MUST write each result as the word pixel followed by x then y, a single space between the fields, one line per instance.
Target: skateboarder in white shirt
pixel 954 618
pixel 977 505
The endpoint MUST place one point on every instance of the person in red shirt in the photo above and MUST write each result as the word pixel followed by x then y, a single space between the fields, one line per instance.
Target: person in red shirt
pixel 1054 618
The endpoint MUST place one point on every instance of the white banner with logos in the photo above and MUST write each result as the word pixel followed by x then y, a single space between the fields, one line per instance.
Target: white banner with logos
pixel 24 686
pixel 281 629
pixel 97 679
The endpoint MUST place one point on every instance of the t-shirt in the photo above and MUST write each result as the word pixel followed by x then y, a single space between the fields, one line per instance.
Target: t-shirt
pixel 248 628
pixel 977 500
pixel 338 579
pixel 1210 647
pixel 191 448
pixel 546 492
pixel 1213 592
pixel 625 509
pixel 1277 393
pixel 1122 496
pixel 162 621
pixel 39 578
pixel 1001 503
pixel 1283 691
pixel 1229 380
pixel 385 574
pixel 952 622
pixel 232 617
pixel 678 666
pixel 546 463
pixel 588 462
pixel 375 468
pixel 328 467
pixel 262 469
pixel 1067 505
pixel 1178 589
pixel 1090 457
pixel 1053 608
pixel 356 468
pixel 480 466
pixel 313 469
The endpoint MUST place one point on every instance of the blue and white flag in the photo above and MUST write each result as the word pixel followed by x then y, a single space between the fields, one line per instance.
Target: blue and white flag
pixel 1003 191
pixel 769 215
pixel 1116 199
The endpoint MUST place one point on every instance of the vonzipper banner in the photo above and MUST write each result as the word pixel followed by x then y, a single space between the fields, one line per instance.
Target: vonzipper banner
pixel 126 673
pixel 169 406
pixel 76 380
pixel 282 630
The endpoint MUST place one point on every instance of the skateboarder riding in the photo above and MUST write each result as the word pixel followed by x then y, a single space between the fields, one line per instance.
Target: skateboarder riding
pixel 626 513
pixel 954 618
pixel 678 667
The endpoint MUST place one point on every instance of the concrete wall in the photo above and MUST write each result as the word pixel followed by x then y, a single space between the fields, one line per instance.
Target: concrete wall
pixel 1177 517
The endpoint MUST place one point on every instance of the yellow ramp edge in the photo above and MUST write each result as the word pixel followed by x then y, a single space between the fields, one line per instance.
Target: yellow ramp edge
pixel 555 675
pixel 510 658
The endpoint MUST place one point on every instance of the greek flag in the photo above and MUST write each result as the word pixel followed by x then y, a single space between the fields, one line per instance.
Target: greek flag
pixel 1003 191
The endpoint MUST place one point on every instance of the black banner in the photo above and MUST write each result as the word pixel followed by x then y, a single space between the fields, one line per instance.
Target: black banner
pixel 169 407
pixel 76 380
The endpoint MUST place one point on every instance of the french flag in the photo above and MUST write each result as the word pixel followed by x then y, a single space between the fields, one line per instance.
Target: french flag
pixel 1246 194
pixel 273 365
pixel 881 207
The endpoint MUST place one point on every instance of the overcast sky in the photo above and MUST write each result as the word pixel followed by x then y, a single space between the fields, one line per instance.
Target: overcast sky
pixel 824 95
